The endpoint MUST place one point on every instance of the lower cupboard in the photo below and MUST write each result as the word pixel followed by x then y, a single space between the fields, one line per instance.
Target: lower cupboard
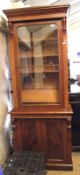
pixel 50 136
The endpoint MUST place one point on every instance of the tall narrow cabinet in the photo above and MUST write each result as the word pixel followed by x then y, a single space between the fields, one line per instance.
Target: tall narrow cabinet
pixel 41 118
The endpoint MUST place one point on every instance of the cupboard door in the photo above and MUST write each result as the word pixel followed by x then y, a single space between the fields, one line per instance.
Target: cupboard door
pixel 25 134
pixel 50 136
pixel 57 141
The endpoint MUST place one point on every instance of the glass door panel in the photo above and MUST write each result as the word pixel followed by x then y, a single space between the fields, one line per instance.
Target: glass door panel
pixel 39 63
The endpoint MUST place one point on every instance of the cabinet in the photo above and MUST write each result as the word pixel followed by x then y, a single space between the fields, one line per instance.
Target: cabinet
pixel 74 98
pixel 75 103
pixel 41 118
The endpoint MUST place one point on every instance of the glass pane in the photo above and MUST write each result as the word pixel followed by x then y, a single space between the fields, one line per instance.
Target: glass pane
pixel 39 63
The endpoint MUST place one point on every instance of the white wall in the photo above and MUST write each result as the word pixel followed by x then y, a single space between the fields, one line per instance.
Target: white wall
pixel 4 120
pixel 74 43
pixel 5 4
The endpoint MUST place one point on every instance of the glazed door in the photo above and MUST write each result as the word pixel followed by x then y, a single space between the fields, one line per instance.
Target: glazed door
pixel 39 63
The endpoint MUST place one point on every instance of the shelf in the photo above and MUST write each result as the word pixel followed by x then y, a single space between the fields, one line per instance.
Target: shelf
pixel 40 81
pixel 44 84
pixel 25 46
pixel 39 69
pixel 47 40
pixel 56 55
pixel 45 54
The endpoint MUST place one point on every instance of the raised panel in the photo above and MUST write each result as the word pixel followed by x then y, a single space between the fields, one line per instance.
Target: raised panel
pixel 56 139
pixel 25 135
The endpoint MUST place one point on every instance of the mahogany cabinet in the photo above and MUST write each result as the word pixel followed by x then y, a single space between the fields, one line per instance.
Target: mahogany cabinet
pixel 41 118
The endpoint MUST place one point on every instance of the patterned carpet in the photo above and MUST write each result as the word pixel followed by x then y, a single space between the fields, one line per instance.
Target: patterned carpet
pixel 76 166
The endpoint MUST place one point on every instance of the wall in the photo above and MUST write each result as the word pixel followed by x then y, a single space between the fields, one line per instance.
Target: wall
pixel 5 105
pixel 74 45
pixel 4 117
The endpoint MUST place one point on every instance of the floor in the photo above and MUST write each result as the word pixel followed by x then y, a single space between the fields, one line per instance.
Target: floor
pixel 76 166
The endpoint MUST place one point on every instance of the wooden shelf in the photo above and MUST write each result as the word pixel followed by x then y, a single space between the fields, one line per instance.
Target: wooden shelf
pixel 25 47
pixel 45 84
pixel 39 69
pixel 28 56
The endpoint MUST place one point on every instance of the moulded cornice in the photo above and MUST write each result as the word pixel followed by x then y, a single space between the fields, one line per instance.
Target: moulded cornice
pixel 22 14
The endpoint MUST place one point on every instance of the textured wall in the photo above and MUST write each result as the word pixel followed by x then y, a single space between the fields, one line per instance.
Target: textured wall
pixel 4 117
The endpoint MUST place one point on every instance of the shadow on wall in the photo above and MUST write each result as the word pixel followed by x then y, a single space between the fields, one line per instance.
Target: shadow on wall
pixel 4 120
